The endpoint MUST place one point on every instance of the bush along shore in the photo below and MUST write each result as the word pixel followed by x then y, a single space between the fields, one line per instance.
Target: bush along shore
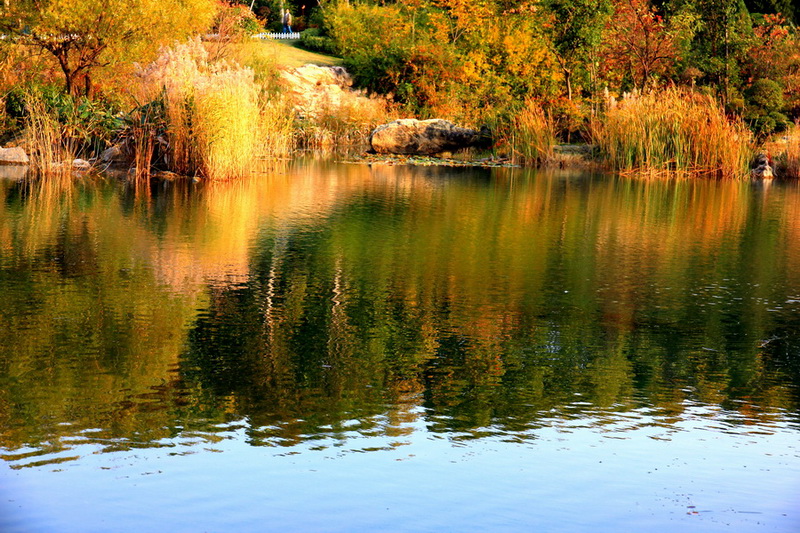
pixel 542 83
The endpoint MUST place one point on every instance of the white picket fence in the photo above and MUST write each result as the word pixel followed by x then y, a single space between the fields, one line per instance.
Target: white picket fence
pixel 293 35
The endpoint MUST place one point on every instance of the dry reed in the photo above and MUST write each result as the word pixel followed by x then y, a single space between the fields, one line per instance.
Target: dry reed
pixel 532 136
pixel 50 148
pixel 226 122
pixel 212 112
pixel 341 122
pixel 792 154
pixel 277 126
pixel 673 129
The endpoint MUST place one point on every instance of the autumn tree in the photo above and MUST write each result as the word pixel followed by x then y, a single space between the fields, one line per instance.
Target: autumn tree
pixel 85 34
pixel 641 44
pixel 775 55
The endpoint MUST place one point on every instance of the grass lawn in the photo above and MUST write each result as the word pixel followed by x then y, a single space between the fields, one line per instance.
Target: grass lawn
pixel 286 53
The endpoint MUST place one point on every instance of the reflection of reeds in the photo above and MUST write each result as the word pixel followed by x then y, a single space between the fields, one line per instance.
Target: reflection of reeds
pixel 532 136
pixel 673 130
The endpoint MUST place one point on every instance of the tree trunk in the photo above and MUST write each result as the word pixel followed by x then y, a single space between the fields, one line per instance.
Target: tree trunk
pixel 568 79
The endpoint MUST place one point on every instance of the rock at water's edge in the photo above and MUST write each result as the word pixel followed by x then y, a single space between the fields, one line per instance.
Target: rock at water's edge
pixel 426 137
pixel 13 156
pixel 762 170
pixel 81 165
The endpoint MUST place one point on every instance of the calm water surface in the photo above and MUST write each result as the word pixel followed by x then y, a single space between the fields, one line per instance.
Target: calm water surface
pixel 338 347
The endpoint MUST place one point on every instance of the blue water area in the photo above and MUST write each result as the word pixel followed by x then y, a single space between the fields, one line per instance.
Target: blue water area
pixel 369 347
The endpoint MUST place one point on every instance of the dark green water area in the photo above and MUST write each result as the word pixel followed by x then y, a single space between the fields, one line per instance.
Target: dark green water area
pixel 369 347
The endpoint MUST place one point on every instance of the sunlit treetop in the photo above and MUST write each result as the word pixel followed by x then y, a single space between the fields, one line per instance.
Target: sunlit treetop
pixel 84 34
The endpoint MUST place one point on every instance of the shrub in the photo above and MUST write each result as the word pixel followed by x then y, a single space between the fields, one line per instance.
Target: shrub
pixel 469 62
pixel 313 40
pixel 61 127
pixel 764 106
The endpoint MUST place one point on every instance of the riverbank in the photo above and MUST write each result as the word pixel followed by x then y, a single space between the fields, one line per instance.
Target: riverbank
pixel 213 109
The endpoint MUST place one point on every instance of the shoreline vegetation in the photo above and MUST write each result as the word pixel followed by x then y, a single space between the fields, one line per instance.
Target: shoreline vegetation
pixel 613 84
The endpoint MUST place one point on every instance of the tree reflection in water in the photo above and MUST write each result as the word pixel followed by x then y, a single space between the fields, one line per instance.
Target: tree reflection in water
pixel 330 302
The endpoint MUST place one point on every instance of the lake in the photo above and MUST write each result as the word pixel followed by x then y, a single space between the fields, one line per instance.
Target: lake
pixel 351 347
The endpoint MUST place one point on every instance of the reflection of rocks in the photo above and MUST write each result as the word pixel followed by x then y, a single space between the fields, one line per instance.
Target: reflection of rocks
pixel 13 172
pixel 13 156
pixel 426 137
pixel 762 169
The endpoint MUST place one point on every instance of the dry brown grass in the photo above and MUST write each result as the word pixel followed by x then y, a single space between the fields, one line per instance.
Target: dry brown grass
pixel 343 124
pixel 673 130
pixel 792 154
pixel 532 137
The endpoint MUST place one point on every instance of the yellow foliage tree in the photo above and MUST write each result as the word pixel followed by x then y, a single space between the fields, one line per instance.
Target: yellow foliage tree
pixel 84 34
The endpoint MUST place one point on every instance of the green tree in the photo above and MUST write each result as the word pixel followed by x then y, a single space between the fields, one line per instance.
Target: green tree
pixel 84 34
pixel 576 30
pixel 721 42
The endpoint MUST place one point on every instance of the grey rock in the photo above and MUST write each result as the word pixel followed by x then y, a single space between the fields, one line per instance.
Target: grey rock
pixel 113 154
pixel 762 169
pixel 81 164
pixel 13 156
pixel 426 137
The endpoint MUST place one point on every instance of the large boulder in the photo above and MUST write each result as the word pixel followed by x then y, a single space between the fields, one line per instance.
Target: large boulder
pixel 426 137
pixel 762 170
pixel 13 156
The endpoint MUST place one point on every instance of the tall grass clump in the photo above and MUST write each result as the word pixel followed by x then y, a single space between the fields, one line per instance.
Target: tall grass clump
pixel 211 112
pixel 342 122
pixel 532 137
pixel 226 122
pixel 277 125
pixel 673 129
pixel 60 128
pixel 792 157
pixel 47 147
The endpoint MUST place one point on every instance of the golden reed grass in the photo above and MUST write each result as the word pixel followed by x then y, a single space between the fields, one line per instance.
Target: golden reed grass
pixel 532 138
pixel 673 130
pixel 212 112
pixel 792 157
pixel 344 121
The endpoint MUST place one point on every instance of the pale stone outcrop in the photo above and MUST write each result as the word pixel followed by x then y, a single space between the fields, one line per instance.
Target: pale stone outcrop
pixel 81 165
pixel 315 89
pixel 13 156
pixel 426 137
